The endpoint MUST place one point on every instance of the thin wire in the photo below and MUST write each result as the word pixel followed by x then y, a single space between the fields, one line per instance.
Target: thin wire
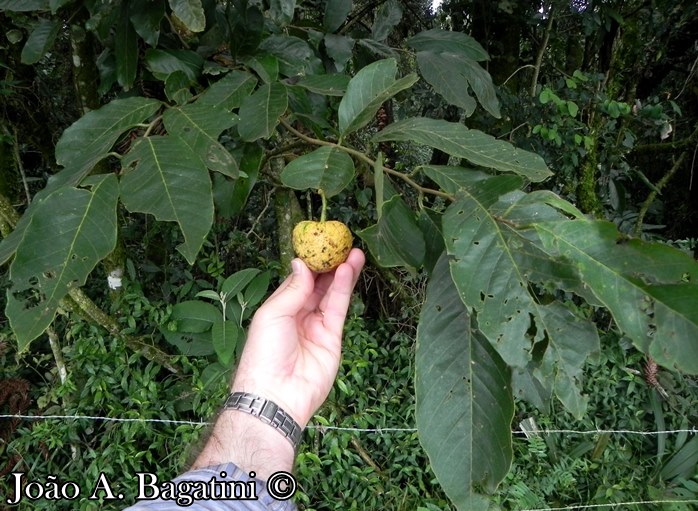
pixel 597 506
pixel 322 427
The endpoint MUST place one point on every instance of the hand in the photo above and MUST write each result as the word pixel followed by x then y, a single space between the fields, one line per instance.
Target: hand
pixel 291 357
pixel 294 343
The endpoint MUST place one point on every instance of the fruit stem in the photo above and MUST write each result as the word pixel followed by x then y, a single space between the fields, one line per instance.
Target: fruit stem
pixel 323 213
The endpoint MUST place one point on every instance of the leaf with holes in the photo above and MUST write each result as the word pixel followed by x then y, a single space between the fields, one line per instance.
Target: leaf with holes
pixel 649 288
pixel 464 400
pixel 69 233
pixel 171 184
pixel 475 146
pixel 200 126
pixel 327 169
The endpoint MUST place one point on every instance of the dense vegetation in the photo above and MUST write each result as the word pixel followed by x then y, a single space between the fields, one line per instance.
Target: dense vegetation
pixel 520 174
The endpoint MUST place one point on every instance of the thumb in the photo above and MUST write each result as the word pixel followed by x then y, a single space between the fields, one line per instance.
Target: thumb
pixel 293 294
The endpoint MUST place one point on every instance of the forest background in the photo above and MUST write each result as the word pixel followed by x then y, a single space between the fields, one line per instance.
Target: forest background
pixel 520 173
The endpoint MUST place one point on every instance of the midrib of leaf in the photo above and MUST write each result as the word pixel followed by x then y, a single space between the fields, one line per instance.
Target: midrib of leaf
pixel 267 118
pixel 105 134
pixel 164 181
pixel 199 128
pixel 73 241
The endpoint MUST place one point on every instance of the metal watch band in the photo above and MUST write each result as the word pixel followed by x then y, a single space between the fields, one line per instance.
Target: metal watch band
pixel 268 412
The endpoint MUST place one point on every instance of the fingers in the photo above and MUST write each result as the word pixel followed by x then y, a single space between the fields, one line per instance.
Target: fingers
pixel 293 294
pixel 335 302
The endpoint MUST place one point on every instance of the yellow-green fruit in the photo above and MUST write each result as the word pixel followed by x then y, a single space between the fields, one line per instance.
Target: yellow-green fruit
pixel 322 245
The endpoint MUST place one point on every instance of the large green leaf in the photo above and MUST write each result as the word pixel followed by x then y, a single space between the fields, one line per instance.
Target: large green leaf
pixel 146 18
pixel 125 49
pixel 387 18
pixel 450 75
pixel 395 240
pixel 328 85
pixel 69 233
pixel 260 112
pixel 438 41
pixel 40 41
pixel 649 288
pixel 367 91
pixel 296 57
pixel 339 49
pixel 200 126
pixel 225 336
pixel 281 11
pixel 336 12
pixel 191 12
pixel 455 139
pixel 24 5
pixel 172 184
pixel 326 168
pixel 162 63
pixel 90 138
pixel 464 400
pixel 229 91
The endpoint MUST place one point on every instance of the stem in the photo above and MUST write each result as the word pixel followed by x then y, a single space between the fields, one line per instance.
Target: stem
pixel 20 167
pixel 323 213
pixel 369 161
pixel 541 50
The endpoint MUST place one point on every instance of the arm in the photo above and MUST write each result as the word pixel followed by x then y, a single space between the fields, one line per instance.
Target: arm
pixel 291 357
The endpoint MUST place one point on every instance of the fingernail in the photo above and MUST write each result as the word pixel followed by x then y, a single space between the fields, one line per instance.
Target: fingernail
pixel 296 266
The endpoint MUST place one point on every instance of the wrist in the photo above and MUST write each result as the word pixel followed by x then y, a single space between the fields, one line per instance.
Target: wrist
pixel 251 444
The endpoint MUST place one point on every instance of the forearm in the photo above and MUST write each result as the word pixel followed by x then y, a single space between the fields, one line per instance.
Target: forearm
pixel 248 442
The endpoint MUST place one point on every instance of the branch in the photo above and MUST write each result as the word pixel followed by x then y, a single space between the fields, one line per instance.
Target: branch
pixel 361 156
pixel 541 50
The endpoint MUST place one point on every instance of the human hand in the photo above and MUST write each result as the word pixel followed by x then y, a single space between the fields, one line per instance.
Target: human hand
pixel 294 343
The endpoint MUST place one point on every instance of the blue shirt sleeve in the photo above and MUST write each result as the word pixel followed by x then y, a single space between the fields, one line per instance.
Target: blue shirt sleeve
pixel 216 488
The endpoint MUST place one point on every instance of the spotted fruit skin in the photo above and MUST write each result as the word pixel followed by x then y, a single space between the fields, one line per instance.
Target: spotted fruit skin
pixel 322 245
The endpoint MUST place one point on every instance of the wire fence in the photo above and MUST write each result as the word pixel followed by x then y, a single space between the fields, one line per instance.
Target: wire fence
pixel 380 430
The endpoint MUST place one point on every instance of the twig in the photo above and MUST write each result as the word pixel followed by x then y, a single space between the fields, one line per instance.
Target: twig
pixel 541 50
pixel 369 161
pixel 20 167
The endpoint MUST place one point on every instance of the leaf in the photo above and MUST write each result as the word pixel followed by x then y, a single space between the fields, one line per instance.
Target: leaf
pixel 256 290
pixel 438 41
pixel 649 288
pixel 171 184
pixel 146 18
pixel 336 12
pixel 464 400
pixel 177 87
pixel 281 11
pixel 40 41
pixel 125 49
pixel 450 74
pixel 199 126
pixel 24 5
pixel 162 63
pixel 367 91
pixel 395 240
pixel 454 179
pixel 571 342
pixel 327 85
pixel 260 112
pixel 295 55
pixel 237 281
pixel 191 12
pixel 228 92
pixel 90 138
pixel 194 316
pixel 225 336
pixel 69 233
pixel 250 165
pixel 266 66
pixel 327 168
pixel 388 16
pixel 455 139
pixel 429 222
pixel 339 49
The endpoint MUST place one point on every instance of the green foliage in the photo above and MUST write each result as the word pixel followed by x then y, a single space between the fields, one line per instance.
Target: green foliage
pixel 204 104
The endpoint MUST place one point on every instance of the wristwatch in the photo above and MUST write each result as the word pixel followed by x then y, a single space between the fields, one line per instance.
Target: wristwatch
pixel 268 412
